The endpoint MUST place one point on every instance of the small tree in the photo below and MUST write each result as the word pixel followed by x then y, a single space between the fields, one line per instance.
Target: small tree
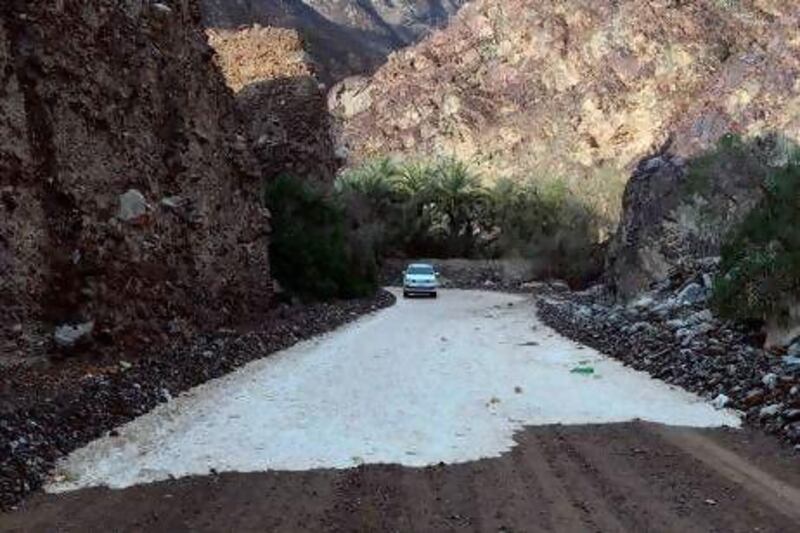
pixel 311 252
pixel 760 271
pixel 460 197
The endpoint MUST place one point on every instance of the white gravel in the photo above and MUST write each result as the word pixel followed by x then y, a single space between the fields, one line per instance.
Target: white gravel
pixel 447 380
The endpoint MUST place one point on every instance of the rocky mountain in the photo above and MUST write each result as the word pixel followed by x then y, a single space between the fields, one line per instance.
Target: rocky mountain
pixel 279 99
pixel 344 37
pixel 129 196
pixel 578 92
pixel 671 221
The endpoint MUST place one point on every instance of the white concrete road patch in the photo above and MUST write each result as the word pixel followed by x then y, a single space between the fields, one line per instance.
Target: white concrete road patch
pixel 425 381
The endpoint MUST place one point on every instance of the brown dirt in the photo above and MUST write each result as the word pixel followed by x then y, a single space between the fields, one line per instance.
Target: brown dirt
pixel 620 477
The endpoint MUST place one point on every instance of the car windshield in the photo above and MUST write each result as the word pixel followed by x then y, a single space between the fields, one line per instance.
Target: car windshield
pixel 420 270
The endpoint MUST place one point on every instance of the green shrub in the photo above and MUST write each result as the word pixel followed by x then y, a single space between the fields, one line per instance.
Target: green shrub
pixel 732 155
pixel 311 253
pixel 545 224
pixel 760 269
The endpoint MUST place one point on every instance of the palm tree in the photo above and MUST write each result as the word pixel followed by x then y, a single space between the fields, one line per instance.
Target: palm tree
pixel 413 187
pixel 461 198
pixel 373 181
pixel 414 180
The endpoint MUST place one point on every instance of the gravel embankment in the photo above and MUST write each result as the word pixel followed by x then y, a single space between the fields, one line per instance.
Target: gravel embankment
pixel 46 413
pixel 671 334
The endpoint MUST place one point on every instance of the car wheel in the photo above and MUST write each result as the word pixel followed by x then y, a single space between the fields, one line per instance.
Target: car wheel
pixel 435 294
pixel 405 294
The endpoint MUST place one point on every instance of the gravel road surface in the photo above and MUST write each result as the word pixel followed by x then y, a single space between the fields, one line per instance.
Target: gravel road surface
pixel 462 413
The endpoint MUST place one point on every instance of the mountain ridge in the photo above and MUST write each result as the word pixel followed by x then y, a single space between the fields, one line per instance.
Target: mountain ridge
pixel 344 37
pixel 579 93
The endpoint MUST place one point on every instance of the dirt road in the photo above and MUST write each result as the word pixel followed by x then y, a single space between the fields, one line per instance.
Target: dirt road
pixel 457 414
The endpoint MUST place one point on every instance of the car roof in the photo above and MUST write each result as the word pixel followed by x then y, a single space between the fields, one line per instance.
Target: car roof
pixel 420 265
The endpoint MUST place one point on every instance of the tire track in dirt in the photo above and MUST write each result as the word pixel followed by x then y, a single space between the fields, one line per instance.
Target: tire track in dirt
pixel 587 502
pixel 733 469
pixel 617 477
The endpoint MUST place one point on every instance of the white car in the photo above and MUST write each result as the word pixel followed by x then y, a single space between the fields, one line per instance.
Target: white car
pixel 420 278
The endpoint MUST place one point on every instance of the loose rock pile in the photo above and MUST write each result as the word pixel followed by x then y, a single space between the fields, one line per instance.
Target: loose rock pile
pixel 47 413
pixel 671 333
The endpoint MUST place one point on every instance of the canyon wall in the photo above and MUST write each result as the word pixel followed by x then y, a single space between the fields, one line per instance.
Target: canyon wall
pixel 129 197
pixel 280 101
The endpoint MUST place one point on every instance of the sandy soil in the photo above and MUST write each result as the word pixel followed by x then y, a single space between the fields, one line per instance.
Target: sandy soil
pixel 456 414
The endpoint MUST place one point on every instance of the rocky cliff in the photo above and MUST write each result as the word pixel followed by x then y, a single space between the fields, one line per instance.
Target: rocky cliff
pixel 677 213
pixel 279 99
pixel 344 37
pixel 129 198
pixel 580 91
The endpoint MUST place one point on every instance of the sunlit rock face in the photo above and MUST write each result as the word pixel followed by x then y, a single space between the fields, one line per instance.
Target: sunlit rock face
pixel 580 91
pixel 344 37
pixel 280 100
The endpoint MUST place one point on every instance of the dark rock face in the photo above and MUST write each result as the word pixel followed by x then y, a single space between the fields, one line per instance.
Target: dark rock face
pixel 676 213
pixel 636 257
pixel 344 37
pixel 129 196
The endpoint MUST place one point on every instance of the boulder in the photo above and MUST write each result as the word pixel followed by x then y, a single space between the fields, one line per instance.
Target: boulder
pixel 693 294
pixel 721 401
pixel 350 97
pixel 67 335
pixel 753 398
pixel 770 410
pixel 644 302
pixel 701 317
pixel 770 380
pixel 132 206
pixel 791 363
pixel 793 431
pixel 674 220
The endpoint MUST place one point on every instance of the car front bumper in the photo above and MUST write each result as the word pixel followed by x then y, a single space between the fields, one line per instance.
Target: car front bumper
pixel 420 289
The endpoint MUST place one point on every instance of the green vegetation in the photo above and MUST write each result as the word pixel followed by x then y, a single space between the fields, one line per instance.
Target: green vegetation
pixel 731 155
pixel 443 209
pixel 311 252
pixel 760 271
pixel 329 245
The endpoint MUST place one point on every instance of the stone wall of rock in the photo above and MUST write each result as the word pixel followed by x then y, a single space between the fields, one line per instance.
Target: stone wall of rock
pixel 280 101
pixel 129 196
pixel 671 221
